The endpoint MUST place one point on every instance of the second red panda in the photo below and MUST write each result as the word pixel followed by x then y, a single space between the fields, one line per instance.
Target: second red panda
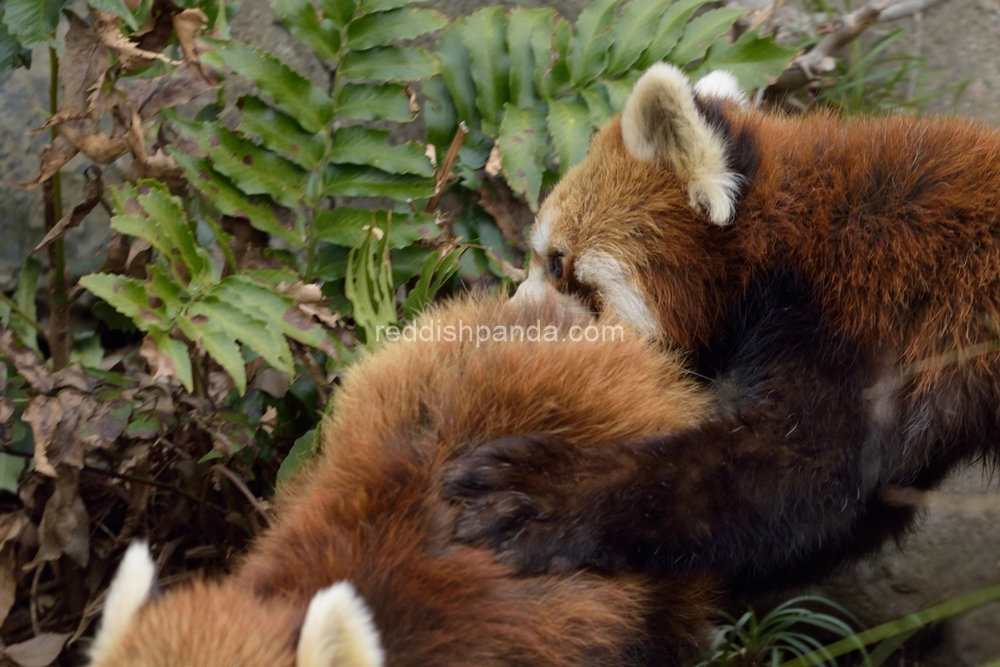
pixel 361 569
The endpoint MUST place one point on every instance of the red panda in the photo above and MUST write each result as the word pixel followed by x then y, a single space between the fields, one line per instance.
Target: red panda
pixel 838 284
pixel 361 569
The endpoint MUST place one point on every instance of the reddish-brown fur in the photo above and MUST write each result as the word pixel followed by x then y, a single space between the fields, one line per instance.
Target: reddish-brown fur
pixel 847 319
pixel 896 221
pixel 370 511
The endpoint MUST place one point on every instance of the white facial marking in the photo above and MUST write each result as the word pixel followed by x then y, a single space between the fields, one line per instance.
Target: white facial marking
pixel 534 288
pixel 129 590
pixel 616 288
pixel 541 234
pixel 339 631
pixel 721 85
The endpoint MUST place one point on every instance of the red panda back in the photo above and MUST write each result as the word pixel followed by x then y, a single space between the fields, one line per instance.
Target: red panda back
pixel 370 510
pixel 361 568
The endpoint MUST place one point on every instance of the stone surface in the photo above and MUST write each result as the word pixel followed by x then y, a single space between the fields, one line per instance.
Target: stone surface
pixel 951 552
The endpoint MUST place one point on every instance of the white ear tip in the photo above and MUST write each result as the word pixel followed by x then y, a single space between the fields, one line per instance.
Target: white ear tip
pixel 339 631
pixel 129 590
pixel 722 85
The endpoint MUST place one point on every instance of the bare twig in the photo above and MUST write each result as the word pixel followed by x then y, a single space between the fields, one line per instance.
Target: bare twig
pixel 315 372
pixel 238 483
pixel 810 66
pixel 32 322
pixel 444 172
pixel 58 331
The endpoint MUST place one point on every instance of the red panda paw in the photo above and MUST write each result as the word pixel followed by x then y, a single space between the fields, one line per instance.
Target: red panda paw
pixel 522 497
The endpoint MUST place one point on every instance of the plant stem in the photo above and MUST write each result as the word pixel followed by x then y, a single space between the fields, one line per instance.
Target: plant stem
pixel 320 173
pixel 58 332
pixel 10 303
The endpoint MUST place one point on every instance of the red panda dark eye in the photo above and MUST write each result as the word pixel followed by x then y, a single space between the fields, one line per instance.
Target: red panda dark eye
pixel 556 265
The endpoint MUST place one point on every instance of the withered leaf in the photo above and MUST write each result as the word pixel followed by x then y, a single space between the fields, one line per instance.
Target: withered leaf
pixel 186 24
pixel 74 377
pixel 8 581
pixel 93 190
pixel 149 96
pixel 272 381
pixel 54 157
pixel 26 363
pixel 98 146
pixel 494 164
pixel 65 525
pixel 107 422
pixel 160 364
pixel 43 414
pixel 82 69
pixel 302 292
pixel 40 651
pixel 11 525
pixel 6 409
pixel 129 55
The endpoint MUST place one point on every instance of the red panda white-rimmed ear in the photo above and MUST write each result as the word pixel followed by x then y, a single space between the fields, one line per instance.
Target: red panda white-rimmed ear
pixel 662 122
pixel 130 589
pixel 339 631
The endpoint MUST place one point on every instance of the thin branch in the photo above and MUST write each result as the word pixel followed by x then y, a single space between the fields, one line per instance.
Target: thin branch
pixel 148 482
pixel 444 173
pixel 10 303
pixel 819 60
pixel 229 474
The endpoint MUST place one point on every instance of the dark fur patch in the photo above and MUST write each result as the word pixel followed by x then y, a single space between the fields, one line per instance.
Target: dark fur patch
pixel 742 151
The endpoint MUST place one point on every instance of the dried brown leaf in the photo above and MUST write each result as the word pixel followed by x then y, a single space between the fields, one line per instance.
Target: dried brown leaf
pixel 7 408
pixel 74 377
pixel 272 381
pixel 40 651
pixel 186 24
pixel 11 525
pixel 411 96
pixel 161 166
pixel 26 363
pixel 83 68
pixel 181 85
pixel 494 164
pixel 93 190
pixel 128 54
pixel 43 414
pixel 321 313
pixel 106 424
pixel 55 155
pixel 8 581
pixel 302 292
pixel 65 525
pixel 98 146
pixel 162 365
pixel 138 256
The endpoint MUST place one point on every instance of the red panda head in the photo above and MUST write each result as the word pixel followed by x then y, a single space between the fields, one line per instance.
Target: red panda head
pixel 208 625
pixel 650 199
